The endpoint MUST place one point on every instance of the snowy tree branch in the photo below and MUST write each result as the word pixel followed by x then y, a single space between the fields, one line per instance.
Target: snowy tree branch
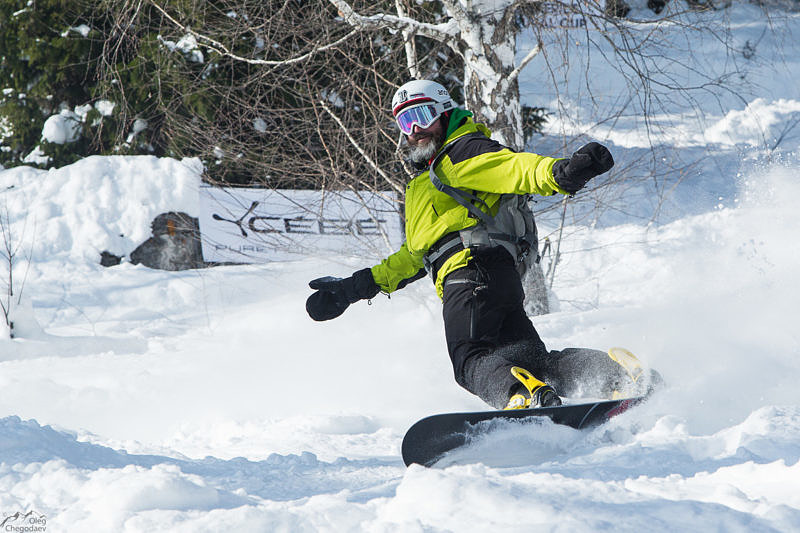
pixel 440 32
pixel 458 14
pixel 223 50
pixel 522 64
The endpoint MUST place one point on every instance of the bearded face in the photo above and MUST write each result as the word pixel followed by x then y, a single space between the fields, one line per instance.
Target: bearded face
pixel 424 143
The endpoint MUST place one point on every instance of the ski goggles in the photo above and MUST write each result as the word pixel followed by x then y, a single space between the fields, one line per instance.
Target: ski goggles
pixel 420 115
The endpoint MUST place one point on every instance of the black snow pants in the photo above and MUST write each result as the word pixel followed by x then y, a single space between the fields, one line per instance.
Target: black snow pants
pixel 488 333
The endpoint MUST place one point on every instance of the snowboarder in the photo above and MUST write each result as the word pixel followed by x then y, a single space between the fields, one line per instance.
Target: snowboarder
pixel 494 348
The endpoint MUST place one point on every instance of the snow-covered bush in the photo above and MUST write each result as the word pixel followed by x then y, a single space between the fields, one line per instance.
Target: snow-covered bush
pixel 52 108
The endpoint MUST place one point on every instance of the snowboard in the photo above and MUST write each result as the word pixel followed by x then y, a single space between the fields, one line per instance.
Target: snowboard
pixel 428 439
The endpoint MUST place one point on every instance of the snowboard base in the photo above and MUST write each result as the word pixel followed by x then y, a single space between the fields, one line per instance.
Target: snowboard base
pixel 428 439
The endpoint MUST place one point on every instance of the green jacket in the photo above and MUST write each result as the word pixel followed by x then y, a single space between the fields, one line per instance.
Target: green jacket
pixel 483 167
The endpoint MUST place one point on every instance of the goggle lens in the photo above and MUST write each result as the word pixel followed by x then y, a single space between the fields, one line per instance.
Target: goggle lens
pixel 423 116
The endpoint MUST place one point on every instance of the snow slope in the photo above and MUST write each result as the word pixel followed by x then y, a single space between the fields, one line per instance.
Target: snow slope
pixel 238 411
pixel 722 94
pixel 141 400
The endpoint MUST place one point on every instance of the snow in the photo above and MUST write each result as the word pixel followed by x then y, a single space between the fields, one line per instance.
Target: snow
pixel 760 122
pixel 36 157
pixel 65 127
pixel 5 129
pixel 81 29
pixel 187 45
pixel 142 400
pixel 104 107
pixel 260 125
pixel 740 108
pixel 139 125
pixel 99 203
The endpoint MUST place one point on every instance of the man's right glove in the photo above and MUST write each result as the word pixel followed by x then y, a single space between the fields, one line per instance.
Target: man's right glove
pixel 587 162
pixel 334 295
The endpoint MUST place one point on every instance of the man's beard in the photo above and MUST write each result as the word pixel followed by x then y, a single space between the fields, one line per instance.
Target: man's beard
pixel 424 152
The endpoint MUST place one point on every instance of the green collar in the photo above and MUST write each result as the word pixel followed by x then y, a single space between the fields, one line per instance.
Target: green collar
pixel 457 119
pixel 461 123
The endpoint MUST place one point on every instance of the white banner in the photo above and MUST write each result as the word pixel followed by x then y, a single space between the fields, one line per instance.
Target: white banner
pixel 257 225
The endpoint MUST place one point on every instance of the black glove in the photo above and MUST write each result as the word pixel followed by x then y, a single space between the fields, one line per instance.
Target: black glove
pixel 589 161
pixel 334 295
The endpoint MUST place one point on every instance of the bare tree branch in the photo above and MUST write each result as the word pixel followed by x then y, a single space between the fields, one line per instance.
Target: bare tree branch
pixel 361 151
pixel 522 64
pixel 222 50
pixel 411 49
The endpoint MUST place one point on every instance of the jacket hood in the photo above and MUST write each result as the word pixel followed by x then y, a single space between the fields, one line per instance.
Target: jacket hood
pixel 458 117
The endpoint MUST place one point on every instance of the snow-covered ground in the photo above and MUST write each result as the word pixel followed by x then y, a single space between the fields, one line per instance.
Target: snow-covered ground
pixel 208 401
pixel 740 106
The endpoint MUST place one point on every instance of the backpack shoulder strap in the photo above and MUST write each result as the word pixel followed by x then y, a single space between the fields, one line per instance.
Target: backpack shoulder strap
pixel 464 198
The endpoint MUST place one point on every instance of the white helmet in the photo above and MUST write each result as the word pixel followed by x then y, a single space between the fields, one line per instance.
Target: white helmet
pixel 420 91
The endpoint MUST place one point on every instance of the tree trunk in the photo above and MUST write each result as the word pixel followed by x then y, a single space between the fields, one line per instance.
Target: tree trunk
pixel 536 299
pixel 492 94
pixel 489 54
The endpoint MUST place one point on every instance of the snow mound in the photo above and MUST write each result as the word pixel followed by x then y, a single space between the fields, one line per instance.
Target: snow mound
pixel 98 203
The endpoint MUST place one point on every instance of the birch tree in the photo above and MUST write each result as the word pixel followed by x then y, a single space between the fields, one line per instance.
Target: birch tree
pixel 296 93
pixel 483 33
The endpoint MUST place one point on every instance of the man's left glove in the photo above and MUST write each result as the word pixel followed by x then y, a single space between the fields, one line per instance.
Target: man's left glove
pixel 334 295
pixel 587 162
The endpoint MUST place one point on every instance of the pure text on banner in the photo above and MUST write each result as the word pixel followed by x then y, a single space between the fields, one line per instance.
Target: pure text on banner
pixel 248 225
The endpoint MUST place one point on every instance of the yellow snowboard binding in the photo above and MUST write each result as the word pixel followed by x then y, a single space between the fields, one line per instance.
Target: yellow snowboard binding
pixel 633 367
pixel 540 394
